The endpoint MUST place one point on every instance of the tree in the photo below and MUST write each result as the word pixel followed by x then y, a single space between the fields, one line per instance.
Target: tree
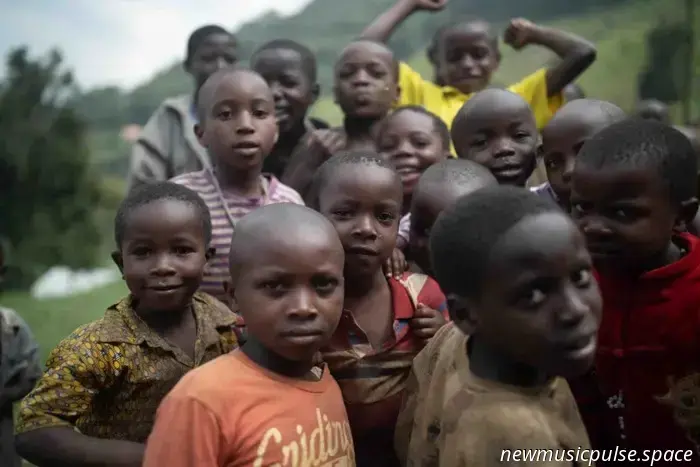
pixel 48 193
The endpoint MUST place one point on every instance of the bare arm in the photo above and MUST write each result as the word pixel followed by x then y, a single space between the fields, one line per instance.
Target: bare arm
pixel 576 54
pixel 381 28
pixel 72 449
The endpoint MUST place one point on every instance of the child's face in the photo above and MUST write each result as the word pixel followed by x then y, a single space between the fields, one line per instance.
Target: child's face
pixel 540 303
pixel 409 141
pixel 467 59
pixel 163 254
pixel 217 51
pixel 562 139
pixel 291 86
pixel 240 128
pixel 365 81
pixel 502 136
pixel 290 292
pixel 626 215
pixel 364 204
pixel 426 205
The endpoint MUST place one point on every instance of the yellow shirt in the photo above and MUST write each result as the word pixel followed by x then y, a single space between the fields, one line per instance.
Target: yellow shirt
pixel 445 101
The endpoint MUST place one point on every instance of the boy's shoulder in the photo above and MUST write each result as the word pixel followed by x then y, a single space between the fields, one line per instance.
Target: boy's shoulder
pixel 195 181
pixel 278 192
pixel 423 289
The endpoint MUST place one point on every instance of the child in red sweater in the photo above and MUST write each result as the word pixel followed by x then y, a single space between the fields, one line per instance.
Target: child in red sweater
pixel 633 195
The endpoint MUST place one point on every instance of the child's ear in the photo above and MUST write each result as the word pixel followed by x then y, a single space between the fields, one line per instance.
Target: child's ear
pixel 462 313
pixel 199 132
pixel 209 254
pixel 686 214
pixel 119 261
pixel 315 92
pixel 398 94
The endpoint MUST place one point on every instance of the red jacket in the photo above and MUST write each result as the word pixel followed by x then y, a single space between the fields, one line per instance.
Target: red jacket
pixel 645 389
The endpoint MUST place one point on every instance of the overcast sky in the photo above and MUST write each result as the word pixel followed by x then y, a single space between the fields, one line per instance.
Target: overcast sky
pixel 121 42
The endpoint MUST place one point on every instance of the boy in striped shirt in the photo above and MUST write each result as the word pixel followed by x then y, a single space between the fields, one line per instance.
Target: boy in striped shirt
pixel 237 126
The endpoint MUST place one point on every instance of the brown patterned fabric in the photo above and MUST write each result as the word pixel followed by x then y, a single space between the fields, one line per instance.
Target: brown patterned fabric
pixel 107 378
pixel 451 418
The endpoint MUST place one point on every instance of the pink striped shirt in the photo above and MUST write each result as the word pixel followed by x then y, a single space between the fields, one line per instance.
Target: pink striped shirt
pixel 217 271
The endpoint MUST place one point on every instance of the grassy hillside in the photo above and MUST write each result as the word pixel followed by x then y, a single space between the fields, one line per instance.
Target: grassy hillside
pixel 618 32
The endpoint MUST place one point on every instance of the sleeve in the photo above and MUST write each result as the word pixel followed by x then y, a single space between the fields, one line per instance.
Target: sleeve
pixel 517 437
pixel 403 433
pixel 150 155
pixel 432 296
pixel 76 371
pixel 186 434
pixel 19 357
pixel 405 227
pixel 412 86
pixel 533 89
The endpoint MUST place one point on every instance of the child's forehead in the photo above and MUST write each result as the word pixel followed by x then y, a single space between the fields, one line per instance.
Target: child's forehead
pixel 468 32
pixel 409 120
pixel 497 109
pixel 363 180
pixel 614 182
pixel 240 87
pixel 277 56
pixel 366 51
pixel 216 40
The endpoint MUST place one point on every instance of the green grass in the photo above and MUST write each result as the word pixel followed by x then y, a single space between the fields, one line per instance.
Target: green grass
pixel 52 320
pixel 619 34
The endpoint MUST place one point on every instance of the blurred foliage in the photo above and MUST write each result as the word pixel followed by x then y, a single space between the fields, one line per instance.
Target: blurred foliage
pixel 47 189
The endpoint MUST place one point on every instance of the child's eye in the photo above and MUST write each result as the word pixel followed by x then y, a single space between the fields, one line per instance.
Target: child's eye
pixel 260 113
pixel 342 214
pixel 274 287
pixel 225 114
pixel 478 143
pixel 141 251
pixel 622 215
pixel 534 298
pixel 325 286
pixel 386 218
pixel 582 278
pixel 183 250
pixel 521 135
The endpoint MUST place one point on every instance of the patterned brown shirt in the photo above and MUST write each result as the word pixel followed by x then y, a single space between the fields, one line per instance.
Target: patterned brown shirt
pixel 452 418
pixel 108 377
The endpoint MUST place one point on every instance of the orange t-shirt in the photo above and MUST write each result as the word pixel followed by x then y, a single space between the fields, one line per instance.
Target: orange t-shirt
pixel 231 412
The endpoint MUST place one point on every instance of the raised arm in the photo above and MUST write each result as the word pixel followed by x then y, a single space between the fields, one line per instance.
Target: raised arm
pixel 576 53
pixel 381 28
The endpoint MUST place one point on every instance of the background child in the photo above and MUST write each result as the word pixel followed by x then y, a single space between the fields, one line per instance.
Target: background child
pixel 440 186
pixel 365 89
pixel 238 128
pixel 525 309
pixel 652 109
pixel 497 129
pixel 385 321
pixel 19 369
pixel 633 194
pixel 563 138
pixel 467 55
pixel 412 139
pixel 267 403
pixel 290 70
pixel 167 145
pixel 96 402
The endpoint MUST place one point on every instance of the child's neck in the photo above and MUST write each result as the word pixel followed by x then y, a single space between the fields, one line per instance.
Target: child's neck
pixel 360 129
pixel 358 286
pixel 164 321
pixel 673 252
pixel 241 182
pixel 488 362
pixel 275 363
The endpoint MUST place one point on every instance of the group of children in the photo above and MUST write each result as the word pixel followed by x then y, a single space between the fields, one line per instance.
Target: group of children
pixel 399 297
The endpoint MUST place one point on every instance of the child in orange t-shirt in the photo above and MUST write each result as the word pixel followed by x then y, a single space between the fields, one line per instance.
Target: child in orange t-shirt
pixel 267 403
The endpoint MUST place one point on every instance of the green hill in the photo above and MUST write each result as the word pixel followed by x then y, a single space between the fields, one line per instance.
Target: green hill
pixel 618 27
